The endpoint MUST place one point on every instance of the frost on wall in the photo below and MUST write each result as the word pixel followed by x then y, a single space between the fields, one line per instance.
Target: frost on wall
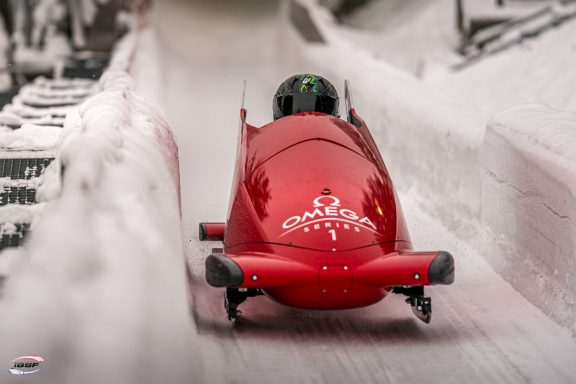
pixel 529 204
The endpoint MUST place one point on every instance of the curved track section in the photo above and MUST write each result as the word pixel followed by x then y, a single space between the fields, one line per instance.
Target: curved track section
pixel 482 330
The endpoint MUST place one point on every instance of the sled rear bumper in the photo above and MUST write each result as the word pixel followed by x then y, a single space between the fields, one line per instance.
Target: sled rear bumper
pixel 266 271
pixel 211 231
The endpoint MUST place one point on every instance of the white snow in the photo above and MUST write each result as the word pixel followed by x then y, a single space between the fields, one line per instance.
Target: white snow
pixel 37 96
pixel 529 183
pixel 13 120
pixel 42 91
pixel 64 83
pixel 15 213
pixel 31 137
pixel 6 182
pixel 26 111
pixel 418 36
pixel 539 70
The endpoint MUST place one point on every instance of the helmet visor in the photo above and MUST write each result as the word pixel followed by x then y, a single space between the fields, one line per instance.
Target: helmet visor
pixel 307 102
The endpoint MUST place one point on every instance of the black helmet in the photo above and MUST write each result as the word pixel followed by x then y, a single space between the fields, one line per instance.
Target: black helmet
pixel 305 93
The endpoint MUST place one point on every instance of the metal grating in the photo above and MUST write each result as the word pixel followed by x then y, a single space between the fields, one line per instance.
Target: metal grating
pixel 23 169
pixel 15 237
pixel 17 195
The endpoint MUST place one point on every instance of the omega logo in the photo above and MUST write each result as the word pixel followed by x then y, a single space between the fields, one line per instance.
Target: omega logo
pixel 328 209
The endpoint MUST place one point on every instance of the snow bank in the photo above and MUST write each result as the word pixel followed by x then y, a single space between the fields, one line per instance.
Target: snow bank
pixel 530 204
pixel 538 70
pixel 97 292
pixel 14 120
pixel 31 137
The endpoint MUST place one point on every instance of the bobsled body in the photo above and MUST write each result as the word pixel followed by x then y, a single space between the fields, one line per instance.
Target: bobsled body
pixel 314 220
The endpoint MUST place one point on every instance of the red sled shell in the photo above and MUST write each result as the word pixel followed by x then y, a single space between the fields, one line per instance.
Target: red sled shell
pixel 314 220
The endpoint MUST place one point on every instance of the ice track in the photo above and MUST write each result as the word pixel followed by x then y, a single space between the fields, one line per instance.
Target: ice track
pixel 482 329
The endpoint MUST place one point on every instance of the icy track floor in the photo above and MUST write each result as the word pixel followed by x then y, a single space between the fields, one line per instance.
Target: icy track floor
pixel 482 330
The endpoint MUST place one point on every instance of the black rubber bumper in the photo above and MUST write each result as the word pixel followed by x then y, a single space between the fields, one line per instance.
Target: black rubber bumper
pixel 223 272
pixel 441 269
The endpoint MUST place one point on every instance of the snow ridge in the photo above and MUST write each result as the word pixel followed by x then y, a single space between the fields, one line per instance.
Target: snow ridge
pixel 110 229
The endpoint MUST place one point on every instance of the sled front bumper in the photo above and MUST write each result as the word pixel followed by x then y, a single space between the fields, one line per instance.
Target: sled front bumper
pixel 269 271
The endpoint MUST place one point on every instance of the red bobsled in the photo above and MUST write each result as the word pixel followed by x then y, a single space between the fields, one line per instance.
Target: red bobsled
pixel 314 221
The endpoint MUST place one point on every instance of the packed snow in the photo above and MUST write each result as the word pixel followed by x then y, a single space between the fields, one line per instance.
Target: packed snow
pixel 539 70
pixel 30 137
pixel 529 182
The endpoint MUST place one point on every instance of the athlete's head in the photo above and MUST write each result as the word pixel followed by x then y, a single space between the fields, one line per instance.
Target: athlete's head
pixel 305 93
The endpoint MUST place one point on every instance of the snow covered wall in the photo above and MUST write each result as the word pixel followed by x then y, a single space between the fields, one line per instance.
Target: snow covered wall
pixel 506 186
pixel 106 250
pixel 529 205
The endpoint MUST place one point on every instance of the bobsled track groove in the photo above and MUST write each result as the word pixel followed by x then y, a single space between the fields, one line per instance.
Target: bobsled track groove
pixel 482 330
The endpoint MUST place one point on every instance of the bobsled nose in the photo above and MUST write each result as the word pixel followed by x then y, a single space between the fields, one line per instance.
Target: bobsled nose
pixel 223 272
pixel 407 269
pixel 441 270
pixel 257 271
